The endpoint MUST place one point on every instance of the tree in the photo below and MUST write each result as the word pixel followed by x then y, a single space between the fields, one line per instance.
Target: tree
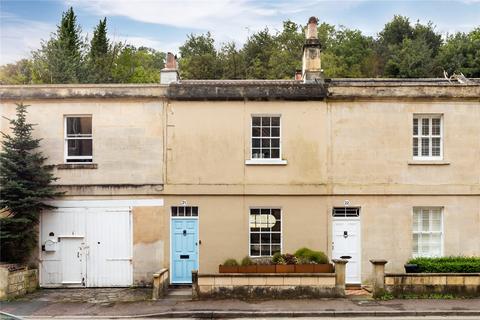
pixel 62 56
pixel 19 72
pixel 232 62
pixel 140 65
pixel 257 51
pixel 26 182
pixel 100 55
pixel 413 59
pixel 198 58
pixel 461 54
pixel 286 56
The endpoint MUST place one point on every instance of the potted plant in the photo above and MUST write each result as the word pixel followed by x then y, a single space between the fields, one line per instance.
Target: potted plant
pixel 264 265
pixel 312 261
pixel 284 263
pixel 247 266
pixel 229 266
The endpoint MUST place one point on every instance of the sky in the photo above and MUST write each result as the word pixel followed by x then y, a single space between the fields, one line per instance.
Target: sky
pixel 165 24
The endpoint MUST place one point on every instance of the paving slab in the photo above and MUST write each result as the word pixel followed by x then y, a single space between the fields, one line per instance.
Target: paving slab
pixel 72 303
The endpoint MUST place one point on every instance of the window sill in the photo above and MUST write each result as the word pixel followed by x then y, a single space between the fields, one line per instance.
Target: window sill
pixel 274 162
pixel 428 163
pixel 77 166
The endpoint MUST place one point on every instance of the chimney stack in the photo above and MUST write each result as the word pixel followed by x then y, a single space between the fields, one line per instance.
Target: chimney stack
pixel 169 74
pixel 311 64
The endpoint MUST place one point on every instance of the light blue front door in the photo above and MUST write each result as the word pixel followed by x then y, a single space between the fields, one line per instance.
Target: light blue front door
pixel 184 253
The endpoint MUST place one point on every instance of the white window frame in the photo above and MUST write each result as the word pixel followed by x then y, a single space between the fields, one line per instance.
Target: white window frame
pixel 266 161
pixel 429 232
pixel 66 139
pixel 419 136
pixel 250 231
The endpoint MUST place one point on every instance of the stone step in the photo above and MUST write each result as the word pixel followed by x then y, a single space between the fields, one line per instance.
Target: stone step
pixel 179 294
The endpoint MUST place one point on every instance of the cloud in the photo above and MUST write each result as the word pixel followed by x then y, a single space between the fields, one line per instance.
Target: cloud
pixel 18 37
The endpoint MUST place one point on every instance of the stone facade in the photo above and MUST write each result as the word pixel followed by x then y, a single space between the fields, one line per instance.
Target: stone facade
pixel 341 140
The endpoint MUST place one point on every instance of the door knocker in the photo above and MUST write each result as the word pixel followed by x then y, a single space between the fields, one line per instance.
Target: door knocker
pixel 184 232
pixel 345 234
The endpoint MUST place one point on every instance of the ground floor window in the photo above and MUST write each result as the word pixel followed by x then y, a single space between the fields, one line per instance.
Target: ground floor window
pixel 265 231
pixel 427 232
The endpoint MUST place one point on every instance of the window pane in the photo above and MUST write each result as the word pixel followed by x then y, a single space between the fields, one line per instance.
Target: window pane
pixel 415 126
pixel 265 143
pixel 195 211
pixel 415 147
pixel 275 132
pixel 79 147
pixel 415 244
pixel 435 245
pixel 256 143
pixel 265 132
pixel 436 126
pixel 255 132
pixel 265 250
pixel 425 222
pixel 265 121
pixel 425 147
pixel 276 214
pixel 79 126
pixel 265 238
pixel 275 153
pixel 425 127
pixel 255 250
pixel 436 147
pixel 275 237
pixel 256 153
pixel 275 121
pixel 174 211
pixel 256 121
pixel 275 249
pixel 254 238
pixel 275 143
pixel 415 222
pixel 265 154
pixel 181 211
pixel 424 245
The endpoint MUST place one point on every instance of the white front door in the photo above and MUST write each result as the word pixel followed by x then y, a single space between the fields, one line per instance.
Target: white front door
pixel 346 245
pixel 73 261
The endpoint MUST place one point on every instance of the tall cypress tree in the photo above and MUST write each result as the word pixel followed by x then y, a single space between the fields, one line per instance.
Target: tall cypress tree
pixel 100 58
pixel 62 56
pixel 25 183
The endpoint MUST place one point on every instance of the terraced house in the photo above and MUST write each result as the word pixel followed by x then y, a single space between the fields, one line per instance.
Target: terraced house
pixel 185 174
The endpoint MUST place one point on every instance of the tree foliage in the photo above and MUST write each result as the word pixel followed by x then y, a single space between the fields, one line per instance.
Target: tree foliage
pixel 401 49
pixel 26 182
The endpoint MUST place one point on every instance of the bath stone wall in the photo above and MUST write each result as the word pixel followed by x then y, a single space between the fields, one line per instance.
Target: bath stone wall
pixel 266 286
pixel 462 284
pixel 17 282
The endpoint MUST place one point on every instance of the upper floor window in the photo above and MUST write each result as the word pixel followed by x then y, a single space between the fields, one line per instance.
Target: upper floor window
pixel 427 137
pixel 78 138
pixel 266 137
pixel 427 232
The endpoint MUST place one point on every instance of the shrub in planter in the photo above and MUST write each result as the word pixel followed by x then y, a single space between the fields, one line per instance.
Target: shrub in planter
pixel 229 266
pixel 284 263
pixel 447 264
pixel 305 255
pixel 264 265
pixel 247 266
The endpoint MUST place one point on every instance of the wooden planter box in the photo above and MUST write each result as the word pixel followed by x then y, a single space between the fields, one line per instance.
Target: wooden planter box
pixel 247 269
pixel 267 268
pixel 304 268
pixel 323 268
pixel 284 268
pixel 279 268
pixel 227 269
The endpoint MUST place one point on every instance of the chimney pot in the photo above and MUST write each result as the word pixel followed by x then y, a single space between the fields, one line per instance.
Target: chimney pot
pixel 312 32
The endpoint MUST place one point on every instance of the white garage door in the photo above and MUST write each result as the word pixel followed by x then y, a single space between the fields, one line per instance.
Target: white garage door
pixel 86 246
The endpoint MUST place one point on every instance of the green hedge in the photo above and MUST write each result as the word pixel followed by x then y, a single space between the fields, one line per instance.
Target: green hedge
pixel 447 264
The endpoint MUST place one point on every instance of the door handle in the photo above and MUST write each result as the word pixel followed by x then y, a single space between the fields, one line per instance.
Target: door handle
pixel 346 257
pixel 184 256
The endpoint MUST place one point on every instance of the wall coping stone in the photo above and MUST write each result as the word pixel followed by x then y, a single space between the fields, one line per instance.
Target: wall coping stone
pixel 290 274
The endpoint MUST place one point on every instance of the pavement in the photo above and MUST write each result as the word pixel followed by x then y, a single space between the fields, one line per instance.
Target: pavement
pixel 115 303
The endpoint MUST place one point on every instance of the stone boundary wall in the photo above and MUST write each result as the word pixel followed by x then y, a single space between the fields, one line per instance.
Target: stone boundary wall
pixel 461 284
pixel 266 286
pixel 17 283
pixel 160 284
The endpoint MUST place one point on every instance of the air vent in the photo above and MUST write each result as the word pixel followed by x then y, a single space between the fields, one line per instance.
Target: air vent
pixel 346 212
